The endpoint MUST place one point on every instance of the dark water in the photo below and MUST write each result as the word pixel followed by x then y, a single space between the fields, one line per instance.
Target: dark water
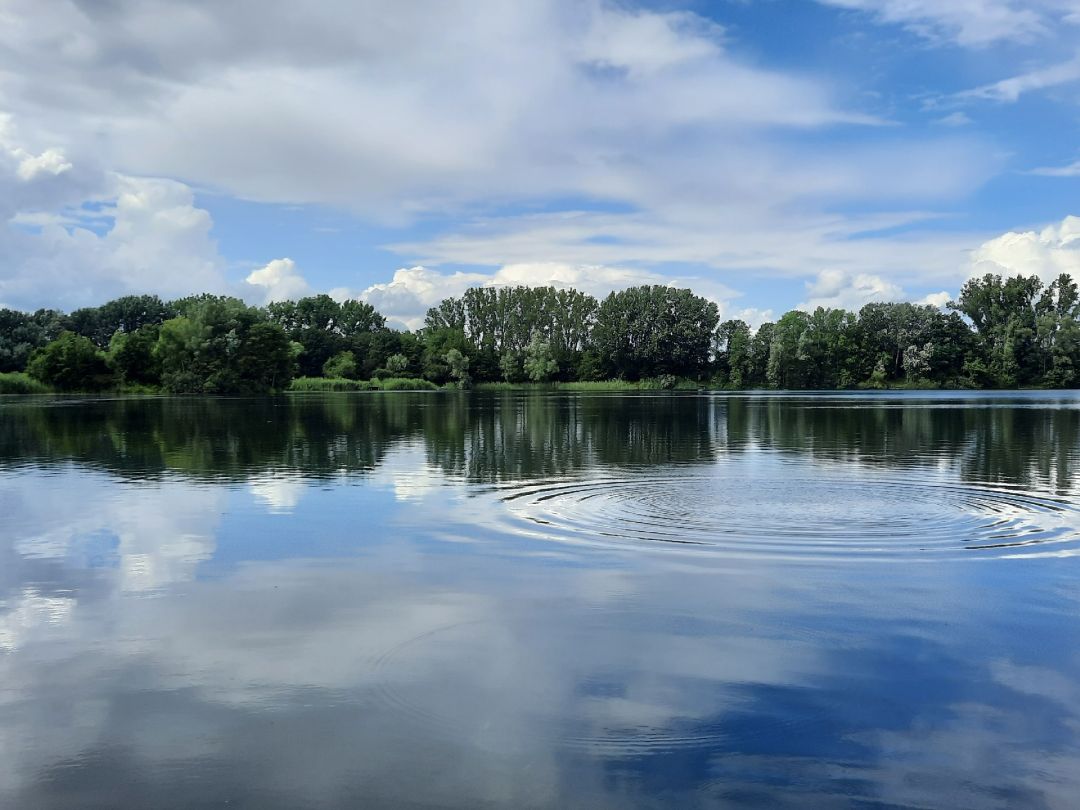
pixel 541 601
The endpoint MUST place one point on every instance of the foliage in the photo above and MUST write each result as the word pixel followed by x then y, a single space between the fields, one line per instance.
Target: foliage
pixel 652 330
pixel 397 364
pixel 303 384
pixel 70 363
pixel 324 327
pixel 498 324
pixel 404 384
pixel 223 346
pixel 22 332
pixel 16 382
pixel 341 365
pixel 540 364
pixel 132 358
pixel 1000 332
pixel 458 364
pixel 124 315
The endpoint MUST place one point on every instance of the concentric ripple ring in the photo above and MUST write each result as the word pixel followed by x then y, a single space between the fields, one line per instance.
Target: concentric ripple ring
pixel 800 517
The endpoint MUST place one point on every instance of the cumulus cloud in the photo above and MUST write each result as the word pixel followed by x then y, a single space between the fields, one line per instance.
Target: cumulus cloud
pixel 938 299
pixel 393 106
pixel 279 280
pixel 149 237
pixel 72 234
pixel 838 289
pixel 393 109
pixel 1046 253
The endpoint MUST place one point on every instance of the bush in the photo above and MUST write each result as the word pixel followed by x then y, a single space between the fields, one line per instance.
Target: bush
pixel 308 384
pixel 70 363
pixel 341 366
pixel 405 384
pixel 18 383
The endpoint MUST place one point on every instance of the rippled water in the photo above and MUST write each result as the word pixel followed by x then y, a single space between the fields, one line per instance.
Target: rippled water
pixel 449 600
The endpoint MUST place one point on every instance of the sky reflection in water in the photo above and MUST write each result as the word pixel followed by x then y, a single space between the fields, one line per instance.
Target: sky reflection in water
pixel 479 600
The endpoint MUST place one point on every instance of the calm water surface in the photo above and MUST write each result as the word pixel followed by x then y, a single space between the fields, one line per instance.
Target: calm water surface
pixel 448 600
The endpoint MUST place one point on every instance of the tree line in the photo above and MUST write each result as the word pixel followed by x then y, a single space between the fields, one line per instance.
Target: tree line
pixel 998 333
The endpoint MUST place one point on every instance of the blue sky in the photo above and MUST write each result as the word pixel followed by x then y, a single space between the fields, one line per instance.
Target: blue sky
pixel 767 153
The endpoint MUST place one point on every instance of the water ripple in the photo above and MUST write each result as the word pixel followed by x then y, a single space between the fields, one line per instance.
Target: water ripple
pixel 808 516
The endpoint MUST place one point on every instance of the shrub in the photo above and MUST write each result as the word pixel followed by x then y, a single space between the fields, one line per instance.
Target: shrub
pixel 341 366
pixel 405 384
pixel 308 384
pixel 18 383
pixel 70 363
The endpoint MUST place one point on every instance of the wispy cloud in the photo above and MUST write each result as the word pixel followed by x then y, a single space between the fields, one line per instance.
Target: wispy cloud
pixel 970 23
pixel 1011 89
pixel 1071 170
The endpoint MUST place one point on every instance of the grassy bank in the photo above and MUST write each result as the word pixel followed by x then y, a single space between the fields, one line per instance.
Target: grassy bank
pixel 597 386
pixel 18 383
pixel 316 384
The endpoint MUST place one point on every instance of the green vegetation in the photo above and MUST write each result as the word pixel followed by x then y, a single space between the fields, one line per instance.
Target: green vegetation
pixel 70 363
pixel 999 333
pixel 306 384
pixel 15 382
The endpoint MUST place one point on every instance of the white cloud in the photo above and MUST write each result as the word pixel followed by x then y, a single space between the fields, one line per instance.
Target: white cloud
pixel 72 234
pixel 151 237
pixel 1071 170
pixel 733 239
pixel 1011 89
pixel 279 281
pixel 852 291
pixel 395 106
pixel 753 316
pixel 51 161
pixel 956 119
pixel 1046 253
pixel 406 298
pixel 682 148
pixel 838 289
pixel 971 23
pixel 938 299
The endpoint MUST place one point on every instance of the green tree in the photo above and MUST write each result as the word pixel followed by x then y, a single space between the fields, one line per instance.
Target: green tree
pixel 1005 315
pixel 341 365
pixel 760 348
pixel 732 353
pixel 459 366
pixel 70 363
pixel 325 327
pixel 785 370
pixel 220 345
pixel 131 355
pixel 21 333
pixel 540 364
pixel 654 330
pixel 398 365
pixel 826 349
pixel 512 366
pixel 437 343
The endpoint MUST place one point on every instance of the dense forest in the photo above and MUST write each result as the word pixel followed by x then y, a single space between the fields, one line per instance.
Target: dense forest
pixel 999 333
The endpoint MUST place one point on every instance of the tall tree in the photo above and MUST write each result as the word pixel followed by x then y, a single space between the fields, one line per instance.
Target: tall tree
pixel 653 330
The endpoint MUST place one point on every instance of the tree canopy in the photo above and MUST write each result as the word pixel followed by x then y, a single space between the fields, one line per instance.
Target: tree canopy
pixel 999 332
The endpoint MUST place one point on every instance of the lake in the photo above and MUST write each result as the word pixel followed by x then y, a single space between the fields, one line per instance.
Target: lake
pixel 541 600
